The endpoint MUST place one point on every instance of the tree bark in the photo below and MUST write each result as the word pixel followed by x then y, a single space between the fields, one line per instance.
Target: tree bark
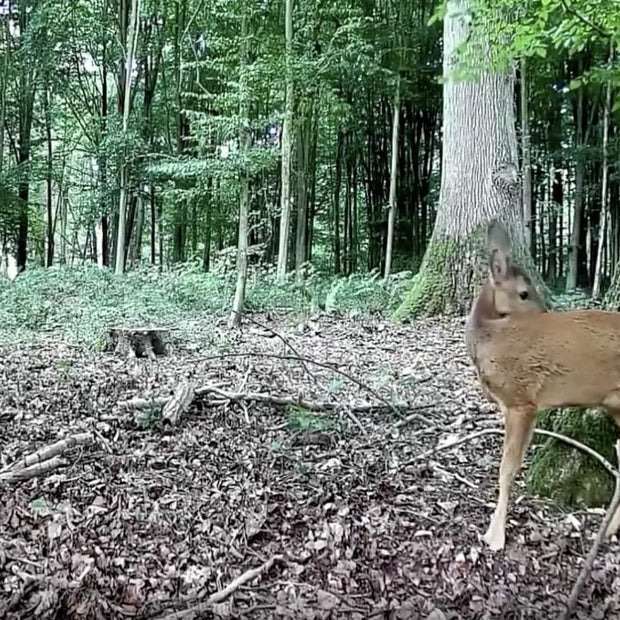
pixel 130 52
pixel 479 181
pixel 527 154
pixel 244 202
pixel 600 267
pixel 393 174
pixel 337 184
pixel 285 198
pixel 573 249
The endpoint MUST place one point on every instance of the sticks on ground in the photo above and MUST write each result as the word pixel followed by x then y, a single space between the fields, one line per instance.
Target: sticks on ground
pixel 222 595
pixel 45 460
pixel 300 358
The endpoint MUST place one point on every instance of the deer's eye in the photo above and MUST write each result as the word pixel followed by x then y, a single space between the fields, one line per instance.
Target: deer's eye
pixel 524 295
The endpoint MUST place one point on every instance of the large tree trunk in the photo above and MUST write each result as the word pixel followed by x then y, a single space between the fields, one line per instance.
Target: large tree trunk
pixel 285 198
pixel 479 181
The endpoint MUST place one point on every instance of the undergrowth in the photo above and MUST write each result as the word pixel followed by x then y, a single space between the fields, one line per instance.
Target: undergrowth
pixel 84 302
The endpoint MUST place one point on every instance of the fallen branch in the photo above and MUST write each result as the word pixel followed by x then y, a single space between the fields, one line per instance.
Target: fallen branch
pixel 299 358
pixel 221 595
pixel 179 403
pixel 142 403
pixel 587 567
pixel 38 469
pixel 500 431
pixel 272 399
pixel 48 452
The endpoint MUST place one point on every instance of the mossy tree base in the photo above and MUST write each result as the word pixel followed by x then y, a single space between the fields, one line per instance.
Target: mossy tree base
pixel 452 271
pixel 567 475
pixel 446 280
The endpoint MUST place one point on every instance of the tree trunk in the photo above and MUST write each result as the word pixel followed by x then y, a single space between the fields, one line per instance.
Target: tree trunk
pixel 303 159
pixel 527 154
pixel 600 267
pixel 285 199
pixel 573 249
pixel 337 184
pixel 131 45
pixel 393 173
pixel 479 181
pixel 48 178
pixel 244 202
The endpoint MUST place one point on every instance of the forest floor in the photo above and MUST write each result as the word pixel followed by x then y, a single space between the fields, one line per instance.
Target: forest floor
pixel 346 521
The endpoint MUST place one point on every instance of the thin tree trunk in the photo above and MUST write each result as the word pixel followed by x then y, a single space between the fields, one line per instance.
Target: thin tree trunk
pixel 599 268
pixel 131 44
pixel 244 202
pixel 337 184
pixel 573 250
pixel 393 173
pixel 285 198
pixel 48 179
pixel 527 154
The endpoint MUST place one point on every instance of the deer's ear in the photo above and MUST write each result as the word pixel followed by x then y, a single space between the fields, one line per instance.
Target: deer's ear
pixel 497 238
pixel 499 265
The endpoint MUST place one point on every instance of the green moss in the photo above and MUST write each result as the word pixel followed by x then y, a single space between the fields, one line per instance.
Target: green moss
pixel 432 289
pixel 568 475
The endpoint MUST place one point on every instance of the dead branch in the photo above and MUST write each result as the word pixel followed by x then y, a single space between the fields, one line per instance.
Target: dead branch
pixel 179 403
pixel 52 450
pixel 299 358
pixel 221 595
pixel 500 431
pixel 38 469
pixel 587 567
pixel 142 403
pixel 415 416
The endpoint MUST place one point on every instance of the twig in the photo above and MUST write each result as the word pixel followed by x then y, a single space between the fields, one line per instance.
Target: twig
pixel 415 416
pixel 500 431
pixel 587 567
pixel 221 595
pixel 284 340
pixel 585 20
pixel 299 358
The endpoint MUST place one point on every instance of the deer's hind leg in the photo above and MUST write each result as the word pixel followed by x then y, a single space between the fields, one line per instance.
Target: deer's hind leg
pixel 519 425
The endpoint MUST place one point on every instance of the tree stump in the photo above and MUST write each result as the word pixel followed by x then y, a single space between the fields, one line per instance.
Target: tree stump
pixel 138 341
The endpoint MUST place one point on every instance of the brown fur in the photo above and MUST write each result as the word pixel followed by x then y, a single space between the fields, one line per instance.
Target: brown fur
pixel 528 359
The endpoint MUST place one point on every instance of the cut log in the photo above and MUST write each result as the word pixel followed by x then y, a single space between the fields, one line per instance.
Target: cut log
pixel 179 403
pixel 138 341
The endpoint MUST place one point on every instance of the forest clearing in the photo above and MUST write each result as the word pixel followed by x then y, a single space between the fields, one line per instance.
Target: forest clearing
pixel 309 309
pixel 147 521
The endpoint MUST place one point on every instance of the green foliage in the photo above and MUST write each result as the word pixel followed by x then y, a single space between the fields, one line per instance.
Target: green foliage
pixel 83 303
pixel 566 474
pixel 300 419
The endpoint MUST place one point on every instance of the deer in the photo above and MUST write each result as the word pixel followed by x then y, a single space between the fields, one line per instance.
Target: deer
pixel 528 358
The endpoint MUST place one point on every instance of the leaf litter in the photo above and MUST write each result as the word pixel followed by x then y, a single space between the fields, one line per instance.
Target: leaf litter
pixel 148 522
